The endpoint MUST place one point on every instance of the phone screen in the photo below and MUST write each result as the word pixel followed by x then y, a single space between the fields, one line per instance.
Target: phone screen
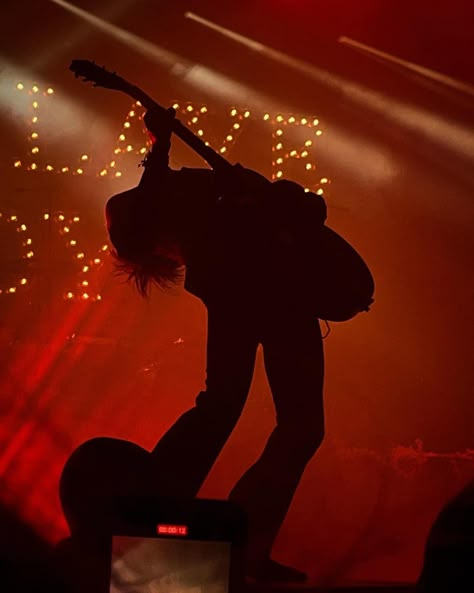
pixel 161 565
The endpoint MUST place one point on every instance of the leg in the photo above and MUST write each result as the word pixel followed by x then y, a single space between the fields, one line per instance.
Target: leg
pixel 294 363
pixel 186 453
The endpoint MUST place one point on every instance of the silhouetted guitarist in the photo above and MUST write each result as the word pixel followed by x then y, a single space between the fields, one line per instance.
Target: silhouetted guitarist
pixel 198 218
pixel 245 247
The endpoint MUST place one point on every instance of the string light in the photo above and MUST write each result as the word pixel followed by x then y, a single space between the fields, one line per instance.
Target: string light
pixel 190 110
pixel 22 229
pixel 279 122
pixel 126 145
pixel 68 224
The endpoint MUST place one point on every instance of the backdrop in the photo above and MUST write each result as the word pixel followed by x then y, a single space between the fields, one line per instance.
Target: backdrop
pixel 390 149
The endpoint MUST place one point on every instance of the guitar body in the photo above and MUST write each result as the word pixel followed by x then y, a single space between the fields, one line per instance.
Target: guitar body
pixel 336 282
pixel 342 284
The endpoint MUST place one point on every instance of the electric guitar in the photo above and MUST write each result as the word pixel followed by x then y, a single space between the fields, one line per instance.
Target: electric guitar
pixel 344 285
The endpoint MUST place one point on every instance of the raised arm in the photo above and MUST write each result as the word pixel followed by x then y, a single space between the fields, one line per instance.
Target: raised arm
pixel 156 164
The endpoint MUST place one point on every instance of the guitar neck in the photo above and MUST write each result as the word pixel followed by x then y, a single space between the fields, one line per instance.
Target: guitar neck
pixel 215 160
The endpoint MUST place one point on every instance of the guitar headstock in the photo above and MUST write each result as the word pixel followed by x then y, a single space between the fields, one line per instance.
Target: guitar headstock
pixel 90 72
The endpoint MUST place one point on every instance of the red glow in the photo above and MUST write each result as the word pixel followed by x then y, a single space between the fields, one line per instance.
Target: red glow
pixel 172 530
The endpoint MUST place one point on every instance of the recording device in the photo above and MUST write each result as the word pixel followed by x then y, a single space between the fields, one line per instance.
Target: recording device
pixel 155 545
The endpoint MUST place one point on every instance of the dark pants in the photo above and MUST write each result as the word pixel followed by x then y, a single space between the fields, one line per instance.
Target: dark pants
pixel 294 364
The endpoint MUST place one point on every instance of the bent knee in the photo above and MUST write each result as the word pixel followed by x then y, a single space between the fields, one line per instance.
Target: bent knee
pixel 311 441
pixel 304 439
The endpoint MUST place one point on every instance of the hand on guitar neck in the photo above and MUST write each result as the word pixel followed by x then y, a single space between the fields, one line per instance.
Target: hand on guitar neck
pixel 159 122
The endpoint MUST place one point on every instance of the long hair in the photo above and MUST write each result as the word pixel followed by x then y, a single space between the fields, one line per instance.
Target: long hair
pixel 141 239
pixel 148 269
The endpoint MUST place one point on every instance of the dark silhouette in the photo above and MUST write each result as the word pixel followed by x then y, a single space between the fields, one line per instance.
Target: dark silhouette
pixel 266 267
pixel 26 562
pixel 111 486
pixel 449 553
pixel 240 261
